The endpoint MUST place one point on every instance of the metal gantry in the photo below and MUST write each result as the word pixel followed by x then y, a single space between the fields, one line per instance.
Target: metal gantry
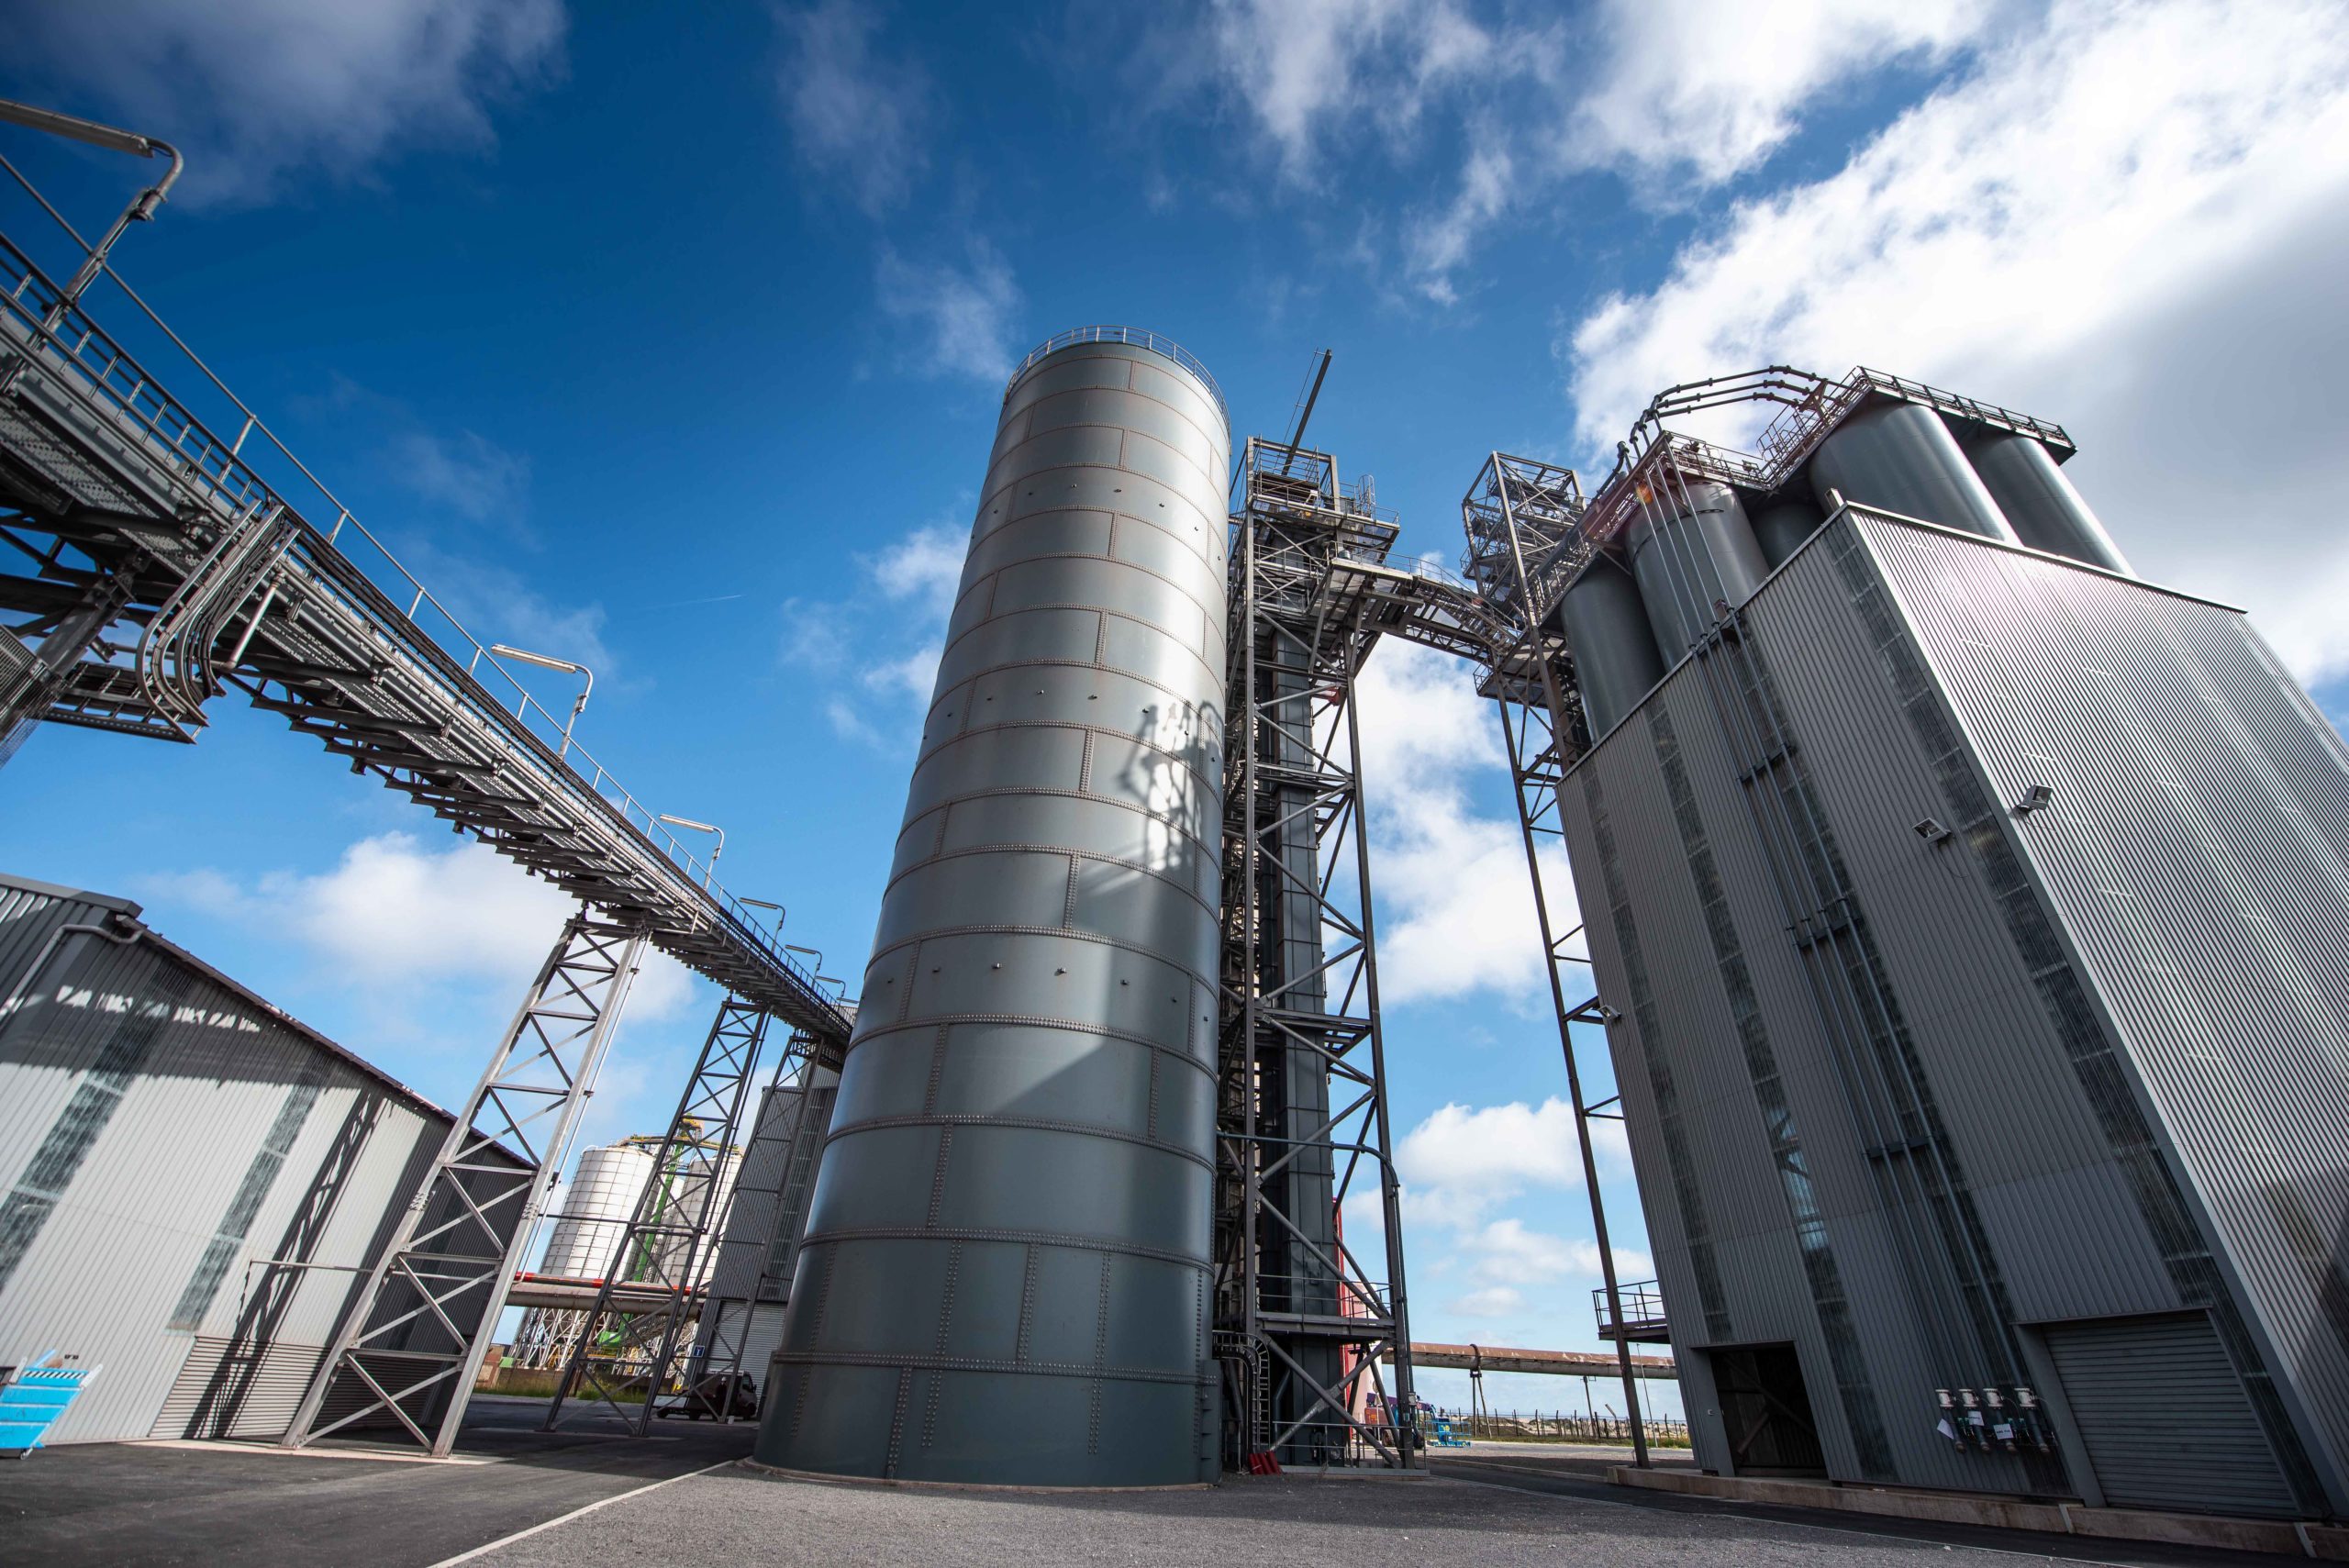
pixel 148 566
pixel 632 1351
pixel 729 1322
pixel 1302 1113
pixel 408 1350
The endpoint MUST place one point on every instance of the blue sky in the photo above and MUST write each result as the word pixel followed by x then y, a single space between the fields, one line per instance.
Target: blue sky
pixel 669 340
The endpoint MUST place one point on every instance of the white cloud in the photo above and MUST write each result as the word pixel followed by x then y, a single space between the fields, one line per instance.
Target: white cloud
pixel 1296 63
pixel 854 117
pixel 1455 903
pixel 1491 1153
pixel 393 914
pixel 2058 230
pixel 925 566
pixel 875 687
pixel 1460 1164
pixel 1674 96
pixel 253 91
pixel 467 473
pixel 961 319
pixel 1493 1301
pixel 1707 89
pixel 1506 1253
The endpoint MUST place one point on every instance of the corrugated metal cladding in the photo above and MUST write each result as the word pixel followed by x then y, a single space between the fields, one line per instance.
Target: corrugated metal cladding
pixel 1005 1274
pixel 2196 847
pixel 1935 1091
pixel 171 1145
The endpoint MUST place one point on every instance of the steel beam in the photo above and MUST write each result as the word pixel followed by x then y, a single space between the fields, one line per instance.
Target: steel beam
pixel 416 1332
pixel 637 1348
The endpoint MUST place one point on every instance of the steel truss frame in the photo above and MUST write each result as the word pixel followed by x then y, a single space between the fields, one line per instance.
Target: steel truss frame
pixel 147 567
pixel 1301 1325
pixel 662 1249
pixel 1519 517
pixel 729 1334
pixel 456 1248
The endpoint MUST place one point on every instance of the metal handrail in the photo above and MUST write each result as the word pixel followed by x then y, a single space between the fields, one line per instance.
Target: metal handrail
pixel 166 427
pixel 1133 336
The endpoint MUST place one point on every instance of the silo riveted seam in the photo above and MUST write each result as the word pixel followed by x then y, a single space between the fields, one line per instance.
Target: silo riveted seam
pixel 1072 933
pixel 896 1361
pixel 950 1121
pixel 1177 1052
pixel 983 1233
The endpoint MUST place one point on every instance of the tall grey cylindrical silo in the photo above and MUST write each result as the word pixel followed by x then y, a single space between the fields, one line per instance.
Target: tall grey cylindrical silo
pixel 1782 527
pixel 1696 551
pixel 1610 639
pixel 2046 511
pixel 1901 458
pixel 1006 1273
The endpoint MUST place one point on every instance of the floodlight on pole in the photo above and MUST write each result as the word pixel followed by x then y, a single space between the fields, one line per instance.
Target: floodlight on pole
pixel 569 667
pixel 114 140
pixel 766 904
pixel 701 828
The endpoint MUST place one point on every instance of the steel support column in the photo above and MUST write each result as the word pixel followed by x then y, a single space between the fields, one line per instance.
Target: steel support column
pixel 668 1237
pixel 416 1332
pixel 729 1320
pixel 1525 561
pixel 1302 1106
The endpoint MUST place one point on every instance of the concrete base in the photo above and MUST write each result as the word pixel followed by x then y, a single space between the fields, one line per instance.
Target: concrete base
pixel 2327 1542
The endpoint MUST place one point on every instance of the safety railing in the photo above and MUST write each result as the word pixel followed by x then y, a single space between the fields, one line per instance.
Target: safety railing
pixel 1134 337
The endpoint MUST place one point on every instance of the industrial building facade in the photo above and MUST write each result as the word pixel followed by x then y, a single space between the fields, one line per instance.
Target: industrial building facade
pixel 1972 922
pixel 195 1183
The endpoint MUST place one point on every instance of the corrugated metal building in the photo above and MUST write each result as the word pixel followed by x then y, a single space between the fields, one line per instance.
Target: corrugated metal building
pixel 194 1180
pixel 750 1284
pixel 1977 927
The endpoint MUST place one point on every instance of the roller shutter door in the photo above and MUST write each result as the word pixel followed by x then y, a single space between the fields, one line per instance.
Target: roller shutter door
pixel 252 1396
pixel 2165 1418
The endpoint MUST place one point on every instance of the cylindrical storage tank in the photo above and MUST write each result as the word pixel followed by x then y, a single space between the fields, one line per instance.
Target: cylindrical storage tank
pixel 596 1207
pixel 1006 1273
pixel 1782 527
pixel 1900 457
pixel 2047 512
pixel 1608 637
pixel 1700 555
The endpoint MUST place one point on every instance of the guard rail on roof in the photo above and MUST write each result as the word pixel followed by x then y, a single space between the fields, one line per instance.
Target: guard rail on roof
pixel 1132 335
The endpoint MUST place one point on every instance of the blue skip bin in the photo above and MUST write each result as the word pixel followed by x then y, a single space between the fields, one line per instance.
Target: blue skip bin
pixel 33 1397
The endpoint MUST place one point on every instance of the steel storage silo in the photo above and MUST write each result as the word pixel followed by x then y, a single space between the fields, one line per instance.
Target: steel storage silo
pixel 596 1207
pixel 1781 527
pixel 1608 636
pixel 1005 1274
pixel 2046 511
pixel 1900 457
pixel 1692 549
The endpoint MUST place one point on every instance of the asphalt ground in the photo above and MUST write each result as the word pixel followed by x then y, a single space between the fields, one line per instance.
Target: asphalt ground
pixel 740 1515
pixel 517 1504
pixel 237 1506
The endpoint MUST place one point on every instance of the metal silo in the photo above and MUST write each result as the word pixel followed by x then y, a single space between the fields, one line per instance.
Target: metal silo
pixel 1901 458
pixel 1005 1276
pixel 1781 527
pixel 2039 501
pixel 1693 552
pixel 596 1208
pixel 1606 633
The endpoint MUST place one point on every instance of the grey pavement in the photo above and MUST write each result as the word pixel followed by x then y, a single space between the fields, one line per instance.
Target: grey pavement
pixel 238 1506
pixel 741 1515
